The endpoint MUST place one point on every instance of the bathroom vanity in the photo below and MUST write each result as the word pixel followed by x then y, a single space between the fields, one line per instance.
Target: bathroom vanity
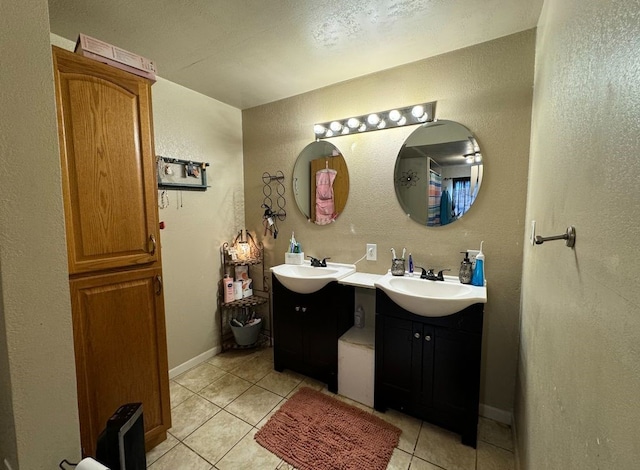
pixel 429 367
pixel 428 340
pixel 306 328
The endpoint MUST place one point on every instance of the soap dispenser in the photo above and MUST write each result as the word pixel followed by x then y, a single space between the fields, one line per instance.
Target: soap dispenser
pixel 466 269
pixel 478 272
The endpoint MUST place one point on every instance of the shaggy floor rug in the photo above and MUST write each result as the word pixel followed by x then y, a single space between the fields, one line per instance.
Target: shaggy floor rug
pixel 313 431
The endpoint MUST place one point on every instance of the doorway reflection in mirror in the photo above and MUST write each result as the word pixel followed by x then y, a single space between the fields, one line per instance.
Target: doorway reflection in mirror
pixel 438 173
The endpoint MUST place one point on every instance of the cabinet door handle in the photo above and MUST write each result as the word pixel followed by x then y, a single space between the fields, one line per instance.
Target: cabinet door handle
pixel 416 335
pixel 158 285
pixel 304 309
pixel 427 338
pixel 297 309
pixel 154 245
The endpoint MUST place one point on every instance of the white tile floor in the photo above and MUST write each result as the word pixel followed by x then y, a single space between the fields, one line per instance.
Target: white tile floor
pixel 218 406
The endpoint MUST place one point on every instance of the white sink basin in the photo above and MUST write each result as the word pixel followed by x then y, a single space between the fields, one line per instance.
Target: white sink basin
pixel 305 279
pixel 431 298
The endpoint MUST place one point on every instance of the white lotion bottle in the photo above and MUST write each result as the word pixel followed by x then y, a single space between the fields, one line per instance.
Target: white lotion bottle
pixel 358 319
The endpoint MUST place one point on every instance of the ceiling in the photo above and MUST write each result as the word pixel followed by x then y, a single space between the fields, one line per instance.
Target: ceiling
pixel 250 52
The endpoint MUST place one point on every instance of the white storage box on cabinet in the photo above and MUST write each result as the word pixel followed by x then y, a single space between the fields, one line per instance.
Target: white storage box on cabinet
pixel 356 359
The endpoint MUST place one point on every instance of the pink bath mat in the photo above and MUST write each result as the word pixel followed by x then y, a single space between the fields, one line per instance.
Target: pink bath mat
pixel 313 431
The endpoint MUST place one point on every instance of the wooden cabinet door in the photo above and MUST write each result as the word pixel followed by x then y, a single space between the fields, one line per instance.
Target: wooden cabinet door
pixel 108 164
pixel 121 353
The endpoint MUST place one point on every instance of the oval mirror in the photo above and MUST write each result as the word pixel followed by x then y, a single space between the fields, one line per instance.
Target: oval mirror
pixel 438 173
pixel 321 182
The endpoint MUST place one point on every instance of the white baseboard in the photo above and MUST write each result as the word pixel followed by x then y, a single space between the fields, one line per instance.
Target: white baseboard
pixel 185 366
pixel 496 414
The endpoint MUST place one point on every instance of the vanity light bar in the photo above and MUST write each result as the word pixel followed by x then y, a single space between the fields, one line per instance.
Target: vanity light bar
pixel 398 117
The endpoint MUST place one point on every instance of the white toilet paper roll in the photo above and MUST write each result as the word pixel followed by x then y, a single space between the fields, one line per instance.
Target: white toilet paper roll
pixel 90 464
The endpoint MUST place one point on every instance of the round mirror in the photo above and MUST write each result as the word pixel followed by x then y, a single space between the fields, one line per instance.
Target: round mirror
pixel 438 173
pixel 321 182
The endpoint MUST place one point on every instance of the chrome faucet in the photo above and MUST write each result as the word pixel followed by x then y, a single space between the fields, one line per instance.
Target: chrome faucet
pixel 430 275
pixel 316 263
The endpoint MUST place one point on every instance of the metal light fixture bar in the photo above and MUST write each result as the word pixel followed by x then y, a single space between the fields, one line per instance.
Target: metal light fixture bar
pixel 398 117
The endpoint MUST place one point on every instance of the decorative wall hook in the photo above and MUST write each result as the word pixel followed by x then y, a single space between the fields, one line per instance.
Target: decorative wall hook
pixel 569 236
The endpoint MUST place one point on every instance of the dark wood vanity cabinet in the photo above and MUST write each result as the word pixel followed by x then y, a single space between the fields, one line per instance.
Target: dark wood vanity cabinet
pixel 429 367
pixel 306 328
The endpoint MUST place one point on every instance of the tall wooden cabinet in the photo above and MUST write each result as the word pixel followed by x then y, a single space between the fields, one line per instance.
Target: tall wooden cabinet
pixel 115 273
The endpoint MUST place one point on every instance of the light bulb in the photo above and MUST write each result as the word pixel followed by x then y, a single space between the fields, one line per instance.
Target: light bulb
pixel 353 123
pixel 382 124
pixel 345 130
pixel 417 111
pixel 335 126
pixel 373 119
pixel 319 129
pixel 329 133
pixel 395 115
pixel 362 128
pixel 402 121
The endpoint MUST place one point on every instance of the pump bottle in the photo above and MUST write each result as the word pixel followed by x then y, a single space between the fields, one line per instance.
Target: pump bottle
pixel 466 269
pixel 478 272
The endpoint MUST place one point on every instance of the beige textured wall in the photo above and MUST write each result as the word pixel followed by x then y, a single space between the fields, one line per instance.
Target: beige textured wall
pixel 579 368
pixel 488 88
pixel 191 126
pixel 39 411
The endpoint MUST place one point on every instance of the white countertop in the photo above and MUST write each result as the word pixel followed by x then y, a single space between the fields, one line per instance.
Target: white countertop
pixel 365 280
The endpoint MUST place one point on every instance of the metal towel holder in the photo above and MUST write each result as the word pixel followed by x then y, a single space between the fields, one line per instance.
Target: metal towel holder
pixel 569 236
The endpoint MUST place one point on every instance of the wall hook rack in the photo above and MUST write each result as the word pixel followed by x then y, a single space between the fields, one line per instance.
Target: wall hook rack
pixel 569 236
pixel 277 210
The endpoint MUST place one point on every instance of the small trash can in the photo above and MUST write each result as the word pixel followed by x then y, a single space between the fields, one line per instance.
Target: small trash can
pixel 246 335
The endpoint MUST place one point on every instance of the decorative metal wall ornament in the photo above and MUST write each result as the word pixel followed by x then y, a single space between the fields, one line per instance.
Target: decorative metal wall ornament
pixel 409 178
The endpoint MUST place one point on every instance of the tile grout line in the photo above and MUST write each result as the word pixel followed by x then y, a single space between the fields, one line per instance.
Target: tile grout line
pixel 282 398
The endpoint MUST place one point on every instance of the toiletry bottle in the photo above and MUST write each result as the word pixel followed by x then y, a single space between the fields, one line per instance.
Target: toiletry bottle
pixel 237 290
pixel 358 320
pixel 466 269
pixel 478 272
pixel 228 288
pixel 410 265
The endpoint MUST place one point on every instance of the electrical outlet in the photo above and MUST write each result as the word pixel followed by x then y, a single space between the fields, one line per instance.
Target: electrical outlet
pixel 372 252
pixel 472 255
pixel 532 239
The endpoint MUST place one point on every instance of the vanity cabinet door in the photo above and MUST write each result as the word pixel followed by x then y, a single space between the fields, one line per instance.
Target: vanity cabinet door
pixel 429 367
pixel 394 354
pixel 404 362
pixel 319 333
pixel 307 328
pixel 288 327
pixel 455 369
pixel 423 363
